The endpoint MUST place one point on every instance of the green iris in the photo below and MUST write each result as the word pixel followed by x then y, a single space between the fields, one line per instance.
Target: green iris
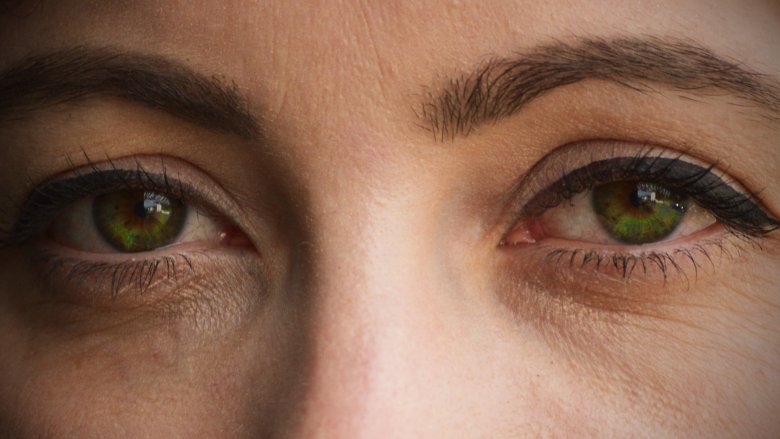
pixel 638 213
pixel 137 221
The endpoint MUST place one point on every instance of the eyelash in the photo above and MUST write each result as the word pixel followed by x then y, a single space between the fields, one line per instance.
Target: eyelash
pixel 50 199
pixel 742 217
pixel 138 274
pixel 47 201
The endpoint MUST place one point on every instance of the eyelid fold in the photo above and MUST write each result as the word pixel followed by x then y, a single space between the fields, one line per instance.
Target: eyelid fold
pixel 579 167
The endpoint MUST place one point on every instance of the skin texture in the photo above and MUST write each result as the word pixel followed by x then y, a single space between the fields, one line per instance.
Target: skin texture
pixel 368 295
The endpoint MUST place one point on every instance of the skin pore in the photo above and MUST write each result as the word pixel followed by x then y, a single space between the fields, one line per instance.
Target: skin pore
pixel 362 264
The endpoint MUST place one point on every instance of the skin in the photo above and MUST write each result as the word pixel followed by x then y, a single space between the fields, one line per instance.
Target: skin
pixel 371 297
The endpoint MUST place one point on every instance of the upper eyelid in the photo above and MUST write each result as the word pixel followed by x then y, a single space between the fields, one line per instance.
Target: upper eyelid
pixel 628 168
pixel 538 179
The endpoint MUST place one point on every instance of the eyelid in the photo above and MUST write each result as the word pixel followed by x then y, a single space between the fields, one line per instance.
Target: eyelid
pixel 560 170
pixel 82 275
pixel 141 172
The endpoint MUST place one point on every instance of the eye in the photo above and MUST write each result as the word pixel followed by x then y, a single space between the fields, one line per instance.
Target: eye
pixel 647 209
pixel 119 226
pixel 132 221
pixel 623 213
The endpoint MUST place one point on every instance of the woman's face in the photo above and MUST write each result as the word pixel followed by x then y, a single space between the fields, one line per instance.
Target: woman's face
pixel 390 219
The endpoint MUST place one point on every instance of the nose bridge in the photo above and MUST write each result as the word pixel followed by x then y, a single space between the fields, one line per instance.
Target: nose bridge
pixel 355 333
pixel 367 323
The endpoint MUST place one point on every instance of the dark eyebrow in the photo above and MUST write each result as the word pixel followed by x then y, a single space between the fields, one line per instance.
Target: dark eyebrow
pixel 501 87
pixel 79 73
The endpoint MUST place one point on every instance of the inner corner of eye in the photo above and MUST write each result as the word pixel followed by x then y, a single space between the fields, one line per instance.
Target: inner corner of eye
pixel 232 236
pixel 528 231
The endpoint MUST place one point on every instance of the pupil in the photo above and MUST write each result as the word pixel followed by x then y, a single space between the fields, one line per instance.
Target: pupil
pixel 141 209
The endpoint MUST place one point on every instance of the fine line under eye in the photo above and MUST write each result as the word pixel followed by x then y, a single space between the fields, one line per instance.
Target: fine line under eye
pixel 734 209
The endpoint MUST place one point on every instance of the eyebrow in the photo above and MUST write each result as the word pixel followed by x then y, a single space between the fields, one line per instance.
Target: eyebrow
pixel 76 74
pixel 502 87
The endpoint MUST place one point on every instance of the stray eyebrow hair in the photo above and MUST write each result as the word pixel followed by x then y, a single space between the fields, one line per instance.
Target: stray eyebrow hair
pixel 502 87
pixel 70 75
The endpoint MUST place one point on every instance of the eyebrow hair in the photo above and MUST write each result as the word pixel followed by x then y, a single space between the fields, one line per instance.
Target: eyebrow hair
pixel 502 87
pixel 72 75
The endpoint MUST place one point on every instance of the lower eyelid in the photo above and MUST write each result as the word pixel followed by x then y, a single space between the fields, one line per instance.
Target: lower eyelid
pixel 53 248
pixel 713 231
pixel 92 279
pixel 71 296
pixel 566 262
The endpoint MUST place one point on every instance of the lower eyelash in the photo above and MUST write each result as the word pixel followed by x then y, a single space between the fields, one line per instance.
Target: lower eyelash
pixel 667 263
pixel 626 264
pixel 118 277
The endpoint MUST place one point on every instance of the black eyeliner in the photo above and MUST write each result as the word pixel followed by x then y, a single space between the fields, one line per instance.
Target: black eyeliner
pixel 48 200
pixel 736 210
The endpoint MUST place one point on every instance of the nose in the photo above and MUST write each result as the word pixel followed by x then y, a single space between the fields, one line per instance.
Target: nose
pixel 372 339
pixel 403 336
pixel 384 331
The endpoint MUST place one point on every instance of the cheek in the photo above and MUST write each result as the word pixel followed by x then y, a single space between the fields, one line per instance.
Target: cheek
pixel 81 371
pixel 714 374
pixel 700 355
pixel 88 387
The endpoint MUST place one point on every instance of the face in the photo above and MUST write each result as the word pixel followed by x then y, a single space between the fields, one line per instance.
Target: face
pixel 386 219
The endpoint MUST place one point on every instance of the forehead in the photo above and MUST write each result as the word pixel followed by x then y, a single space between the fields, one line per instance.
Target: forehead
pixel 347 61
pixel 382 38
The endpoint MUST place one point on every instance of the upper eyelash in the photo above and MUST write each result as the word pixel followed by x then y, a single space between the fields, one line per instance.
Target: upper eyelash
pixel 48 200
pixel 736 210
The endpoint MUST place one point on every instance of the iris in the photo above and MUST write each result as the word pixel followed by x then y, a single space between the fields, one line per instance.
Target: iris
pixel 638 213
pixel 137 220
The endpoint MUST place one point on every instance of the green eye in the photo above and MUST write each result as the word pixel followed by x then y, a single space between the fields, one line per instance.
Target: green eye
pixel 137 221
pixel 638 213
